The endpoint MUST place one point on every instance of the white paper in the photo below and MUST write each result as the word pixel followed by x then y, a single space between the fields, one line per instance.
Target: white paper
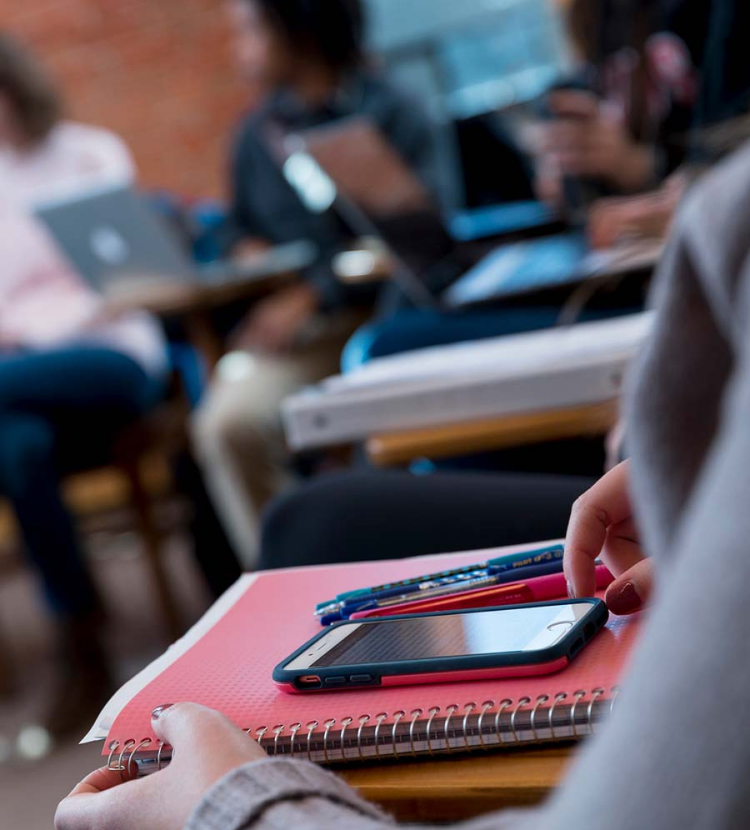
pixel 120 700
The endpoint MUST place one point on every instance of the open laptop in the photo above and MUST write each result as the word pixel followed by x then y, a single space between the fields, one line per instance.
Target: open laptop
pixel 562 260
pixel 116 241
pixel 371 179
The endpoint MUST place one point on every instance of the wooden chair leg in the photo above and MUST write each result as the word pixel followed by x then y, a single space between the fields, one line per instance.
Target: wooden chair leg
pixel 152 540
pixel 6 671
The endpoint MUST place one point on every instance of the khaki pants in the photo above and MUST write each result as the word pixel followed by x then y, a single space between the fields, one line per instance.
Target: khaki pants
pixel 237 432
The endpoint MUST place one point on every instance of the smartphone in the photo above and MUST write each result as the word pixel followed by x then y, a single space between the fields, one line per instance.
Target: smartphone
pixel 478 644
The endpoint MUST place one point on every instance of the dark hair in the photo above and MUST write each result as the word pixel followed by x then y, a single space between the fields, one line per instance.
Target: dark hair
pixel 31 91
pixel 601 27
pixel 331 30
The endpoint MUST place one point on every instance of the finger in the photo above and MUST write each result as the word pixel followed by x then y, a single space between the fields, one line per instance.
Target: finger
pixel 576 164
pixel 632 590
pixel 187 726
pixel 573 104
pixel 622 549
pixel 606 503
pixel 566 136
pixel 114 807
pixel 101 780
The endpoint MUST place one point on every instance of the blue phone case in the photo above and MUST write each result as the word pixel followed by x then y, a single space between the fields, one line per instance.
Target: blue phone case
pixel 367 675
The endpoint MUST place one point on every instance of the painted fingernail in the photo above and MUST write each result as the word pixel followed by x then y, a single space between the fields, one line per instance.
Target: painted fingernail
pixel 626 600
pixel 160 710
pixel 571 589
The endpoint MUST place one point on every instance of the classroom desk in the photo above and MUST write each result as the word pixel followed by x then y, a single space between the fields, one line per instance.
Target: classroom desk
pixel 193 302
pixel 399 448
pixel 456 789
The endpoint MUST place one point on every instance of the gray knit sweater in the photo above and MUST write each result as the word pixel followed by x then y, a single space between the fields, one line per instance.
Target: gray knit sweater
pixel 676 753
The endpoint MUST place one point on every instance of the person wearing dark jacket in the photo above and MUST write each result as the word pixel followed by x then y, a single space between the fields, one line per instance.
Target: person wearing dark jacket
pixel 309 54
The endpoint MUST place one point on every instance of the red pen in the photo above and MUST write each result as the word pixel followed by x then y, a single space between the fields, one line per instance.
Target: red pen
pixel 538 589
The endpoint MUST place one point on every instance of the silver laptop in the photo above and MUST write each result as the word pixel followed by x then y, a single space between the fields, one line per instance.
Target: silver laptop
pixel 112 236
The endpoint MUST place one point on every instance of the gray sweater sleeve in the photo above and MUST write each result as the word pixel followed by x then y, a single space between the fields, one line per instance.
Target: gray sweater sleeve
pixel 675 754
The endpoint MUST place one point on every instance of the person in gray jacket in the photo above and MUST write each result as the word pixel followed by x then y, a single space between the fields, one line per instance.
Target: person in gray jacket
pixel 674 755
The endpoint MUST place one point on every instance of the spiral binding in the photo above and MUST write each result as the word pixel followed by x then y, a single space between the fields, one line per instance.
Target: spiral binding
pixel 433 731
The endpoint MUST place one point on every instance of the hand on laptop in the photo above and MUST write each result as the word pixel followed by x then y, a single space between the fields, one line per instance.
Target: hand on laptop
pixel 648 215
pixel 602 526
pixel 276 322
pixel 207 747
pixel 587 138
pixel 250 249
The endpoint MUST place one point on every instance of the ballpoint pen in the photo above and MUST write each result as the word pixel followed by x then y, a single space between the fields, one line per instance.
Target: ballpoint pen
pixel 428 581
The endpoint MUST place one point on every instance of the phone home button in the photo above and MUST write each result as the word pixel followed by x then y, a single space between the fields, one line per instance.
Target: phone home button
pixel 566 623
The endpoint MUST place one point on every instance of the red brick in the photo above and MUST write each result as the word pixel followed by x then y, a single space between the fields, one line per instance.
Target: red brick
pixel 158 72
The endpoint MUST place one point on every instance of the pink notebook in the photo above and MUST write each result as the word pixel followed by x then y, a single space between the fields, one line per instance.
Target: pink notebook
pixel 226 662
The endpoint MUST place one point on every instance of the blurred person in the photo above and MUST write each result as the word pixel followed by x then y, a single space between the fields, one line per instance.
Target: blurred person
pixel 662 94
pixel 720 124
pixel 42 155
pixel 652 73
pixel 71 376
pixel 308 55
pixel 661 761
pixel 518 503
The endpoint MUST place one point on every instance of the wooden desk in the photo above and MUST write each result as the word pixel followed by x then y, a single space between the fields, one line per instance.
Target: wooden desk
pixel 455 789
pixel 193 302
pixel 400 448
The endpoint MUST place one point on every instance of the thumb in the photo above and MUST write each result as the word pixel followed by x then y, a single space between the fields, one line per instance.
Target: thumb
pixel 631 590
pixel 101 780
pixel 186 726
pixel 574 103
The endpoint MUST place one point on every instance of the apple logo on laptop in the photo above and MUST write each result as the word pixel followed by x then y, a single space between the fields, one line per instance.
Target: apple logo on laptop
pixel 109 245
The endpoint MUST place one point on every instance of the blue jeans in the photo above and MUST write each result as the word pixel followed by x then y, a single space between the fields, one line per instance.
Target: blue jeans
pixel 58 410
pixel 421 328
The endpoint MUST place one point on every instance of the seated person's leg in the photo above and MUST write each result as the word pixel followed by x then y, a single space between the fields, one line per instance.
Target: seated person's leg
pixel 385 515
pixel 47 402
pixel 77 381
pixel 238 437
pixel 29 480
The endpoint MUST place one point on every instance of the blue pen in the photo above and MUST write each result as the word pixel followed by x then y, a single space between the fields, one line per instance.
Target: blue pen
pixel 502 565
pixel 403 583
pixel 420 583
pixel 480 579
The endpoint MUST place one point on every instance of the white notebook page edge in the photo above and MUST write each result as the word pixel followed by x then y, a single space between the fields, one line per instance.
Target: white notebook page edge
pixel 121 698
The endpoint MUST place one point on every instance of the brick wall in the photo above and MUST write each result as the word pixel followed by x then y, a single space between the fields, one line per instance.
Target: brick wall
pixel 158 72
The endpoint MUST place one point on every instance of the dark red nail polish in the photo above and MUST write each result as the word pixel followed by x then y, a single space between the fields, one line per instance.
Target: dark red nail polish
pixel 160 710
pixel 626 600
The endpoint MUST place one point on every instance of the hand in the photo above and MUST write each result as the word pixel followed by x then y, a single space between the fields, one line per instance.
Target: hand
pixel 207 747
pixel 250 249
pixel 277 321
pixel 649 215
pixel 602 526
pixel 587 139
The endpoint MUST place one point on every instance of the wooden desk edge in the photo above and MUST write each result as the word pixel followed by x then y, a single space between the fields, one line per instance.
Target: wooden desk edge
pixel 492 434
pixel 462 787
